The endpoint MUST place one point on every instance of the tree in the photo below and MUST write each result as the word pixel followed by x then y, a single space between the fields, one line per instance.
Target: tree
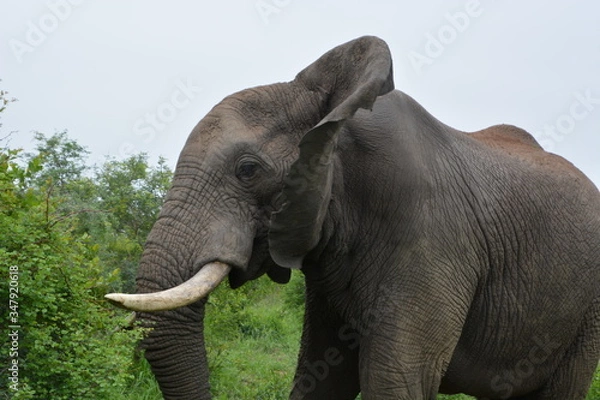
pixel 64 159
pixel 133 192
pixel 115 204
pixel 4 102
pixel 63 340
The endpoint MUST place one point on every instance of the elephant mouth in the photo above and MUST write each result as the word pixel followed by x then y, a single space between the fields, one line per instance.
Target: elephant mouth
pixel 197 287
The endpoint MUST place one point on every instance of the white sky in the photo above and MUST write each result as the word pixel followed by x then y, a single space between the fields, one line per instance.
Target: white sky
pixel 104 69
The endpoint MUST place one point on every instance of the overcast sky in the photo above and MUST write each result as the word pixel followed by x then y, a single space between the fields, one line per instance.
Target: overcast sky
pixel 131 76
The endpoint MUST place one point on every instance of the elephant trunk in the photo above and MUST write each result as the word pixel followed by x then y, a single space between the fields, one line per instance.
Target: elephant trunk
pixel 188 252
pixel 175 348
pixel 174 345
pixel 176 352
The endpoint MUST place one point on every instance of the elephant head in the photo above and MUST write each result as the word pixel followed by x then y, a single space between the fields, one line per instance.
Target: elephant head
pixel 250 195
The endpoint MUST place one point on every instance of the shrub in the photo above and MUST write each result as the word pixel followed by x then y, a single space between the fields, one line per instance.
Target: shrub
pixel 65 340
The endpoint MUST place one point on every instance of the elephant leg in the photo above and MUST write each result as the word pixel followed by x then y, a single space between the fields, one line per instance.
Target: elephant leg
pixel 572 378
pixel 389 372
pixel 328 360
pixel 409 342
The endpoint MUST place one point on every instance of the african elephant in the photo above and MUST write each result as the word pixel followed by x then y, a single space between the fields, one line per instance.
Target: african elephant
pixel 435 260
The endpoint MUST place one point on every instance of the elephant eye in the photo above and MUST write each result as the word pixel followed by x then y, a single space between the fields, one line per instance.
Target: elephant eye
pixel 247 169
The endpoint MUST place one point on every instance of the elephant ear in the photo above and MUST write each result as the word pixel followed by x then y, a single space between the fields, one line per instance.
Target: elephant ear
pixel 349 77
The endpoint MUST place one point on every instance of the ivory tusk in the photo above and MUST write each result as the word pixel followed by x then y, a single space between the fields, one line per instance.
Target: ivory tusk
pixel 190 291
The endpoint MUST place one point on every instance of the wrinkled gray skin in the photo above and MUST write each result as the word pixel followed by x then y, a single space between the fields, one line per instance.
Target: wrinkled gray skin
pixel 435 260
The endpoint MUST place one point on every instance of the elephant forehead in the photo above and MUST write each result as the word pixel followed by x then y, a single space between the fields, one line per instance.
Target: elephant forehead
pixel 218 132
pixel 260 106
pixel 252 116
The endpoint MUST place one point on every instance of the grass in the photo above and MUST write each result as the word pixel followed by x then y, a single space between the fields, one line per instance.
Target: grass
pixel 252 339
pixel 255 359
pixel 144 386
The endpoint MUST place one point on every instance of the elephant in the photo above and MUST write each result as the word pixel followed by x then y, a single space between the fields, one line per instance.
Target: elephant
pixel 435 260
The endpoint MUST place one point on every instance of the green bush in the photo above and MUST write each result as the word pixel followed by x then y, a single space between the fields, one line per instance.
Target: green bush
pixel 65 339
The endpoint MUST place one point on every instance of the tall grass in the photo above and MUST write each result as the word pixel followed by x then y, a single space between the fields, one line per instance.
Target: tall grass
pixel 252 354
pixel 144 386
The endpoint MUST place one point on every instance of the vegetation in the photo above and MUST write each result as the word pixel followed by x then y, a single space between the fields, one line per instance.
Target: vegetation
pixel 65 241
pixel 64 342
pixel 70 233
